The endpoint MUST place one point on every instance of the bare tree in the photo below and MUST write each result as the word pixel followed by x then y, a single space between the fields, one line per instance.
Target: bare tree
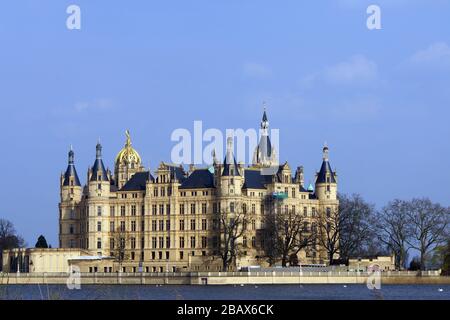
pixel 356 226
pixel 9 238
pixel 232 223
pixel 329 227
pixel 287 233
pixel 118 246
pixel 428 226
pixel 392 228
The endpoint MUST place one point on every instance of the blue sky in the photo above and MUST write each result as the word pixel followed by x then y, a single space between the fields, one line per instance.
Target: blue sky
pixel 379 98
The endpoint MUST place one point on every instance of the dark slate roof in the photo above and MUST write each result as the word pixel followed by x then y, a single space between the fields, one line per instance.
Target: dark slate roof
pixel 254 179
pixel 199 178
pixel 177 172
pixel 97 168
pixel 71 172
pixel 326 168
pixel 265 146
pixel 226 168
pixel 137 181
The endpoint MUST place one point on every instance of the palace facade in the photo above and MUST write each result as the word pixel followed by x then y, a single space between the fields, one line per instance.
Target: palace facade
pixel 167 220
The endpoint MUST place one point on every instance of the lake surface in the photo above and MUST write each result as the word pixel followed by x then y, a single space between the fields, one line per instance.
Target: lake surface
pixel 228 292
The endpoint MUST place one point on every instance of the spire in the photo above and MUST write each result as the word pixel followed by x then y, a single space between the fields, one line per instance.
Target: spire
pixel 71 172
pixel 265 120
pixel 325 152
pixel 98 149
pixel 325 169
pixel 230 166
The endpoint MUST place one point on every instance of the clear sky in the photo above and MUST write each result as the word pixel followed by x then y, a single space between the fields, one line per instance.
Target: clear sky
pixel 380 98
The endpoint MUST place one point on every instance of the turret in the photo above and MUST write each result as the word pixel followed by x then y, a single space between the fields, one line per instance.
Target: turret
pixel 326 179
pixel 70 183
pixel 98 176
pixel 231 179
pixel 299 176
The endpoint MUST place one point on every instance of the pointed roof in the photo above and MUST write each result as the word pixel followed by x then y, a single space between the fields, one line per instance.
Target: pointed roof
pixel 264 118
pixel 230 161
pixel 71 171
pixel 98 169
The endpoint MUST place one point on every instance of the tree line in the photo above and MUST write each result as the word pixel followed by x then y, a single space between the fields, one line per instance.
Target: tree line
pixel 355 229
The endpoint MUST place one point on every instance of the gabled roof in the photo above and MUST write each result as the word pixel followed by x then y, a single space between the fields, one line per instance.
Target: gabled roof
pixel 199 178
pixel 138 181
pixel 324 170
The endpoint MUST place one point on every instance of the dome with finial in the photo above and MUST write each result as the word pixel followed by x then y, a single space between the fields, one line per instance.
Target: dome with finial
pixel 128 155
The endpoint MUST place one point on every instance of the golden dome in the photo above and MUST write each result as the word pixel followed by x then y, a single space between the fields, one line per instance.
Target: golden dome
pixel 128 155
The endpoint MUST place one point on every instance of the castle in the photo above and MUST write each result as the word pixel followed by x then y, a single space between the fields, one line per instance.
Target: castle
pixel 167 220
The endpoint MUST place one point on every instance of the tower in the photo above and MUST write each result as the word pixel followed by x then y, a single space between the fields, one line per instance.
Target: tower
pixel 70 197
pixel 127 163
pixel 264 155
pixel 231 179
pixel 326 179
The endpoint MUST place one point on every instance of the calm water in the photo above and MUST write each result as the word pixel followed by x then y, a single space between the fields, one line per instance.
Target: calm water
pixel 263 292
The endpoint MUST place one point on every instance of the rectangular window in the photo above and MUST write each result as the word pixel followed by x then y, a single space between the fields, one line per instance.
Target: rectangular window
pixel 167 225
pixel 161 242
pixel 181 225
pixel 161 209
pixel 143 210
pixel 122 226
pixel 214 207
pixel 112 211
pixel 154 225
pixel 111 226
pixel 181 242
pixel 192 208
pixel 133 243
pixel 168 242
pixel 168 209
pixel 161 225
pixel 231 206
pixel 154 211
pixel 122 211
pixel 99 226
pixel 181 208
pixel 253 208
pixel 204 224
pixel 154 242
pixel 204 242
pixel 99 243
pixel 142 225
pixel 192 242
pixel 203 208
pixel 193 224
pixel 99 211
pixel 133 226
pixel 133 210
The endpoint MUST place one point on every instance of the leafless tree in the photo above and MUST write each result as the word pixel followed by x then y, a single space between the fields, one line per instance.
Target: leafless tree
pixel 287 233
pixel 392 228
pixel 428 226
pixel 328 229
pixel 232 222
pixel 118 247
pixel 9 238
pixel 356 227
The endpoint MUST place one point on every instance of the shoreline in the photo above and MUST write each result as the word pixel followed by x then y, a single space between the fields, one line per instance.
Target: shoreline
pixel 218 278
